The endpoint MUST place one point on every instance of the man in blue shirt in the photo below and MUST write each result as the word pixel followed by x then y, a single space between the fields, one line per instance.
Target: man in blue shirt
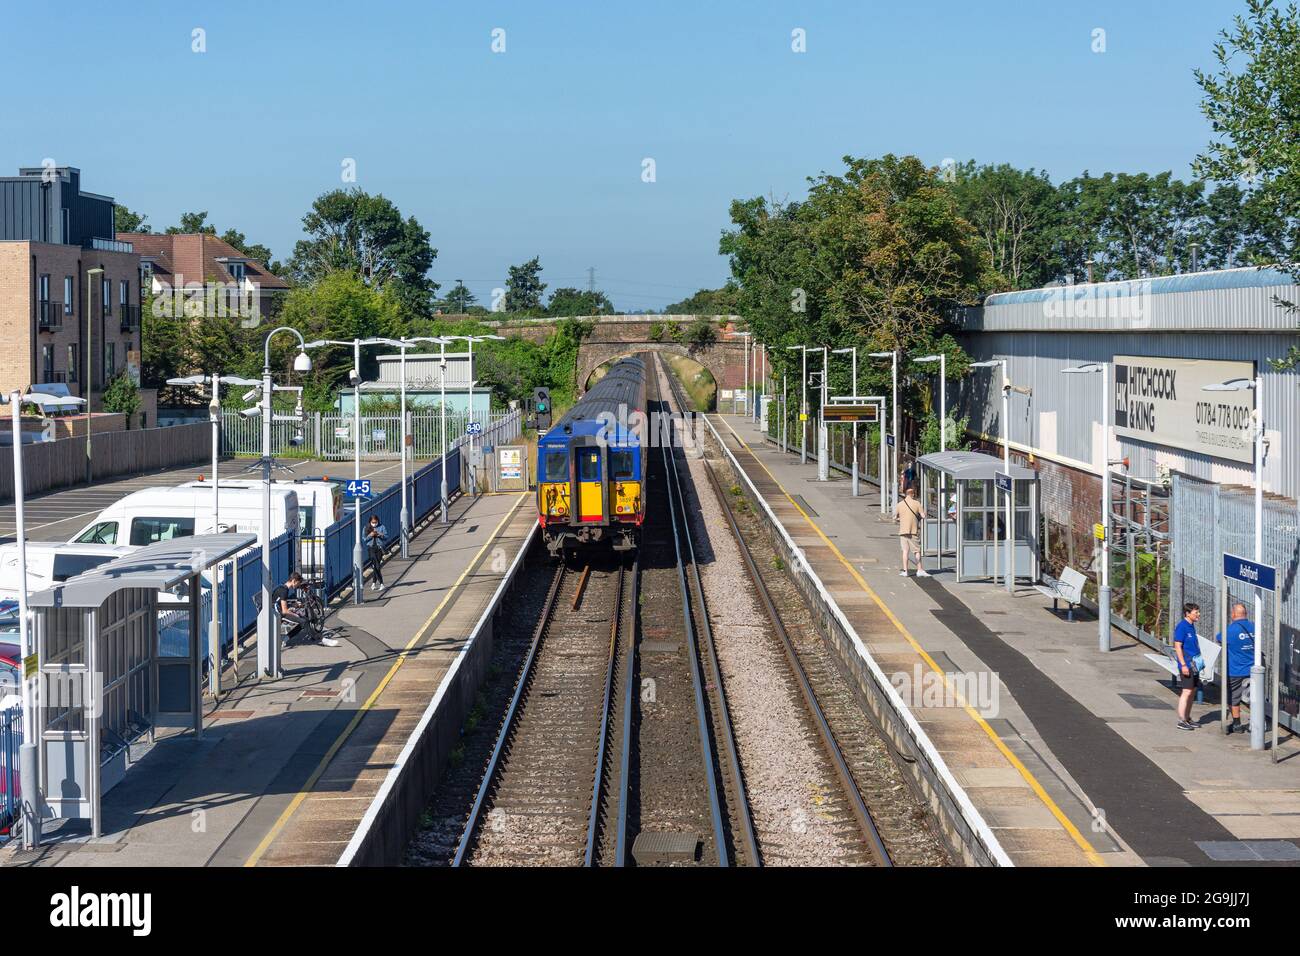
pixel 1240 648
pixel 1186 649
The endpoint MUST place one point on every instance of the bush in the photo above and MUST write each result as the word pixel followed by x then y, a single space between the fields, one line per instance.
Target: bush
pixel 701 333
pixel 123 396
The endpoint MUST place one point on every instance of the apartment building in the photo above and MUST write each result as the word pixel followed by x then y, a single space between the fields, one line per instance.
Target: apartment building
pixel 69 289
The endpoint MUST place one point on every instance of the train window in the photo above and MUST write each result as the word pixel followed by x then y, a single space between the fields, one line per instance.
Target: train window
pixel 589 466
pixel 557 466
pixel 620 464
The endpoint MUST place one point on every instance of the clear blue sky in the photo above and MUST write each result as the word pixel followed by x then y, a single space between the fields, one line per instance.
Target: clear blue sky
pixel 538 150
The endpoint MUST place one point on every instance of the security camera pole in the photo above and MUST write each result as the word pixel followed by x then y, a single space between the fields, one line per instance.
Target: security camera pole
pixel 893 430
pixel 803 404
pixel 268 645
pixel 27 757
pixel 1103 574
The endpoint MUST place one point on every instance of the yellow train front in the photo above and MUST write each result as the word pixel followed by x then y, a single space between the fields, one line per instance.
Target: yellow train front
pixel 591 467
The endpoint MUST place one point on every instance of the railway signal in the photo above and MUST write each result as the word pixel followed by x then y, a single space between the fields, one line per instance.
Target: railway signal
pixel 542 406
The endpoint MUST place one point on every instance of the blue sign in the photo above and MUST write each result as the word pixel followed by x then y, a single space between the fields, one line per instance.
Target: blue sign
pixel 358 488
pixel 1003 481
pixel 889 440
pixel 474 428
pixel 1250 572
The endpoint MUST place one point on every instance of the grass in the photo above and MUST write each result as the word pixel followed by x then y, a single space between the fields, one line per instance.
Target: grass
pixel 777 563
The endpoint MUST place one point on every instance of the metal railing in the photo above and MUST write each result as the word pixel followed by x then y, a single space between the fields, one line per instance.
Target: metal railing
pixel 49 316
pixel 11 738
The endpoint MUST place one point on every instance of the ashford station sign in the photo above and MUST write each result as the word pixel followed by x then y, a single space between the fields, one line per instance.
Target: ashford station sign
pixel 1162 401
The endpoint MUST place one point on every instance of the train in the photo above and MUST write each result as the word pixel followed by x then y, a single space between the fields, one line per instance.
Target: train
pixel 591 466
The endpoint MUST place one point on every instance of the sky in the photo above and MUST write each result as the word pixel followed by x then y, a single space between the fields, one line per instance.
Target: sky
pixel 541 149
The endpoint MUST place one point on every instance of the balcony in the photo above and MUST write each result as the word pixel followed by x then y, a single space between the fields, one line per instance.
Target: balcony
pixel 49 376
pixel 49 316
pixel 109 245
pixel 130 317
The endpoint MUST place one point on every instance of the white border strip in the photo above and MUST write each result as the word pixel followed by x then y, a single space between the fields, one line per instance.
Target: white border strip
pixel 390 781
pixel 974 819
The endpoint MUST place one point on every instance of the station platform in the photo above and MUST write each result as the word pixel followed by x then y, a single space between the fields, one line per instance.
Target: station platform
pixel 286 769
pixel 1080 763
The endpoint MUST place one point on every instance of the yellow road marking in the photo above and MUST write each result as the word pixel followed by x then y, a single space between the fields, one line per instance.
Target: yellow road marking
pixel 316 774
pixel 1024 771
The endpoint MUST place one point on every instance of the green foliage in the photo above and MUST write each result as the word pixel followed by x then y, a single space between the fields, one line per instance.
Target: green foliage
pixel 707 302
pixel 956 429
pixel 353 232
pixel 700 333
pixel 124 220
pixel 574 302
pixel 459 299
pixel 191 223
pixel 524 287
pixel 657 330
pixel 121 395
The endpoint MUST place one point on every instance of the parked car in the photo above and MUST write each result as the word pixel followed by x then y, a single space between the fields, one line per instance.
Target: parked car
pixel 161 514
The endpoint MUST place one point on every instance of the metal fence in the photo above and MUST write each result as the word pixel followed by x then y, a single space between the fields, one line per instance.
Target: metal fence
pixel 328 436
pixel 1210 520
pixel 11 738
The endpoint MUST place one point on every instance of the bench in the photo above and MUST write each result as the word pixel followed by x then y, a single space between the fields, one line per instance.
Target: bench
pixel 1068 589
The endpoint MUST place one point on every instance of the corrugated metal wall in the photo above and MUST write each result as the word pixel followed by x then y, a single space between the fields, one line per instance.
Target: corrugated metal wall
pixel 1062 417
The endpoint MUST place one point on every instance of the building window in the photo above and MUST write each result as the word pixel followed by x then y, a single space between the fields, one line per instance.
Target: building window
pixel 72 363
pixel 47 363
pixel 236 270
pixel 106 295
pixel 67 295
pixel 110 361
pixel 123 291
pixel 45 287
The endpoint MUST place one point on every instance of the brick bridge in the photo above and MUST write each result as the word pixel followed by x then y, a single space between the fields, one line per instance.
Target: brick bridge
pixel 616 336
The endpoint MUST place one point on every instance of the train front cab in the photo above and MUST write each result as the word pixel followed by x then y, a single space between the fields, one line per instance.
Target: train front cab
pixel 589 494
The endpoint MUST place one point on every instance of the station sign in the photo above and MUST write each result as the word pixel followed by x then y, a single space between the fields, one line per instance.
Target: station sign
pixel 848 413
pixel 1163 401
pixel 1257 575
pixel 474 428
pixel 889 440
pixel 1003 481
pixel 378 434
pixel 358 488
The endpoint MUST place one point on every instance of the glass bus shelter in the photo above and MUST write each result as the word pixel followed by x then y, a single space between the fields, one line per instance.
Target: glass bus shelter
pixel 965 515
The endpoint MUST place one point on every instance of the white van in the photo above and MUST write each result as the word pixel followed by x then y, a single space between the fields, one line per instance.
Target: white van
pixel 320 504
pixel 52 562
pixel 160 514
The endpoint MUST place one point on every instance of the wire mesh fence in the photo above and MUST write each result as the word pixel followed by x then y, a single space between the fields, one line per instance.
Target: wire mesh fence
pixel 329 436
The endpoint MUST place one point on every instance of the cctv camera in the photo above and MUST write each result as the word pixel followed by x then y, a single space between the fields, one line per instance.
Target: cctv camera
pixel 296 440
pixel 354 376
pixel 252 393
pixel 252 411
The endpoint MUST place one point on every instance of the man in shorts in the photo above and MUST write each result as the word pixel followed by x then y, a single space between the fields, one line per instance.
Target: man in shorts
pixel 1240 648
pixel 1187 647
pixel 908 513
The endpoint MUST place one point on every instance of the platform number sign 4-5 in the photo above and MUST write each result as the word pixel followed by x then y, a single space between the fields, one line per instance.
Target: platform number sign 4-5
pixel 358 488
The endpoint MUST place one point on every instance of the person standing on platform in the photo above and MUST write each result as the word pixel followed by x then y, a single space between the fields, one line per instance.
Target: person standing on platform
pixel 376 537
pixel 908 513
pixel 1240 648
pixel 1187 648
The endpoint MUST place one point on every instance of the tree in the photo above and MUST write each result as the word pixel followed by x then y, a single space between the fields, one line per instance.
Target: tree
pixel 191 223
pixel 524 287
pixel 124 220
pixel 352 231
pixel 707 302
pixel 579 302
pixel 700 334
pixel 459 299
pixel 121 395
pixel 162 344
pixel 1256 125
pixel 1014 211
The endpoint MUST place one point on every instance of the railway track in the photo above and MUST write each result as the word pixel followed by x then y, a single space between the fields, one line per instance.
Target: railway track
pixel 544 792
pixel 868 846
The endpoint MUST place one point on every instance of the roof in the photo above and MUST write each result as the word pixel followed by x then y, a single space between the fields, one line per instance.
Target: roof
pixel 974 466
pixel 154 567
pixel 193 257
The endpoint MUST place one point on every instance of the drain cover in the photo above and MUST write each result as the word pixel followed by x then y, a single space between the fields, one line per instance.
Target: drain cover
pixel 1144 702
pixel 670 847
pixel 232 715
pixel 318 692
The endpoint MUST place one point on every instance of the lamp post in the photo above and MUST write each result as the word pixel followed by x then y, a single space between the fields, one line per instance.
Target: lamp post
pixel 90 382
pixel 1010 574
pixel 28 753
pixel 268 652
pixel 1257 666
pixel 823 452
pixel 470 340
pixel 403 344
pixel 214 416
pixel 358 554
pixel 803 403
pixel 1103 586
pixel 893 432
pixel 845 351
pixel 785 414
pixel 762 384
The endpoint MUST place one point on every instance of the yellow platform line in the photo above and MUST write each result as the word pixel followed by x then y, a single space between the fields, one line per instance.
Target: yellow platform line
pixel 341 739
pixel 1093 857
